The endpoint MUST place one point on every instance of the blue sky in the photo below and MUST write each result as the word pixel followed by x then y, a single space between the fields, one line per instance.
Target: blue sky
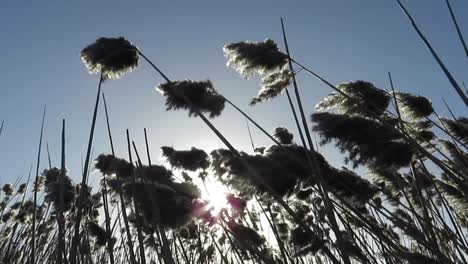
pixel 342 40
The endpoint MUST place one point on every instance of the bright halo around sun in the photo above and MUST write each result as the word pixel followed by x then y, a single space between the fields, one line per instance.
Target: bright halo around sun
pixel 215 194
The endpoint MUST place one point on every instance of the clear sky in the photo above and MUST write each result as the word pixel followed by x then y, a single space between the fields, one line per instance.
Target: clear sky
pixel 344 40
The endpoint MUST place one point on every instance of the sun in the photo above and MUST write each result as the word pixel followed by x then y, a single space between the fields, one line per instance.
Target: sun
pixel 215 194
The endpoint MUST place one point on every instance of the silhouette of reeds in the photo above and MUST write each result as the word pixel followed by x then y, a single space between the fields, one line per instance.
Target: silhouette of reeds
pixel 286 203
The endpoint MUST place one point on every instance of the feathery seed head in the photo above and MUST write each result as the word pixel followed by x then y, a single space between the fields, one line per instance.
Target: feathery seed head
pixel 112 57
pixel 189 94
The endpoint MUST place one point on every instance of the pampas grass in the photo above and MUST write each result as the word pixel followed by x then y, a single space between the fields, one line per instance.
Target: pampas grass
pixel 264 58
pixel 111 57
pixel 365 99
pixel 190 160
pixel 201 94
pixel 286 203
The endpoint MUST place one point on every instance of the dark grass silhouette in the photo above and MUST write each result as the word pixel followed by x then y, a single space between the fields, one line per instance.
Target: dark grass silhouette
pixel 286 204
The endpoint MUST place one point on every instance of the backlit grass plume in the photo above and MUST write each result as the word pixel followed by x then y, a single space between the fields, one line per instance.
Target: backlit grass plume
pixel 154 190
pixel 457 196
pixel 289 161
pixel 264 58
pixel 93 202
pixel 459 158
pixel 414 106
pixel 52 188
pixel 190 231
pixel 22 188
pixel 304 243
pixel 418 258
pixel 348 243
pixel 349 185
pixel 367 142
pixel 272 85
pixel 390 182
pixel 200 94
pixel 124 171
pixel 26 210
pixel 99 234
pixel 365 99
pixel 7 216
pixel 246 236
pixel 230 171
pixel 8 189
pixel 421 131
pixel 191 160
pixel 113 57
pixel 458 128
pixel 110 165
pixel 248 57
pixel 175 207
pixel 283 135
pixel 282 203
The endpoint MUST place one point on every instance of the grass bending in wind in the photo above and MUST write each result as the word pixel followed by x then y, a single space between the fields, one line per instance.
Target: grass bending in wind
pixel 284 203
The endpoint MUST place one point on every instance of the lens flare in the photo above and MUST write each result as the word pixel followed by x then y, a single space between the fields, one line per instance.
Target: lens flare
pixel 215 194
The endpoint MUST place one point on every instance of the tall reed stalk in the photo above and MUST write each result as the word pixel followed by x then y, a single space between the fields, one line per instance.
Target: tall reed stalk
pixel 60 216
pixel 434 54
pixel 33 228
pixel 82 193
pixel 455 23
pixel 123 208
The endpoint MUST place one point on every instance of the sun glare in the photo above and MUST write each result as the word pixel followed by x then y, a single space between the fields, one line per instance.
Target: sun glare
pixel 215 194
pixel 212 191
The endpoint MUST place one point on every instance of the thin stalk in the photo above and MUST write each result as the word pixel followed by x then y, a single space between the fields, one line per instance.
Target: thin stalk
pixel 13 232
pixel 128 242
pixel 107 221
pixel 250 135
pixel 121 198
pixel 296 120
pixel 48 155
pixel 445 130
pixel 135 207
pixel 447 209
pixel 428 220
pixel 322 185
pixel 221 253
pixel 108 125
pixel 457 243
pixel 175 249
pixel 373 228
pixel 1 127
pixel 166 251
pixel 253 121
pixel 296 91
pixel 162 238
pixel 233 245
pixel 104 196
pixel 434 54
pixel 33 228
pixel 1 130
pixel 397 108
pixel 82 194
pixel 147 148
pixel 448 108
pixel 460 35
pixel 60 218
pixel 269 217
pixel 362 244
pixel 184 252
